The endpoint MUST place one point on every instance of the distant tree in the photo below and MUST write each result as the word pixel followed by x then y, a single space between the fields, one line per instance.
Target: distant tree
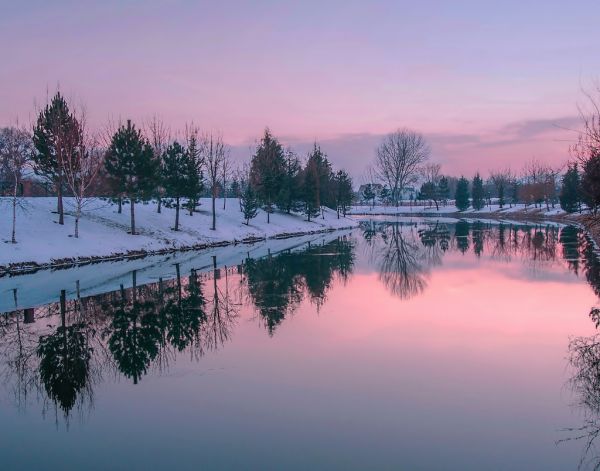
pixel 444 189
pixel 369 194
pixel 318 159
pixel 385 194
pixel 214 153
pixel 15 154
pixel 267 169
pixel 590 183
pixel 399 159
pixel 462 194
pixel 226 170
pixel 478 194
pixel 249 204
pixel 195 166
pixel 131 163
pixel 289 195
pixel 570 191
pixel 343 192
pixel 55 140
pixel 430 191
pixel 178 176
pixel 310 189
pixel 502 180
pixel 159 136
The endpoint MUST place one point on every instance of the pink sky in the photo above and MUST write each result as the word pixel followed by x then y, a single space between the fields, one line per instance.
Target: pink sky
pixel 489 84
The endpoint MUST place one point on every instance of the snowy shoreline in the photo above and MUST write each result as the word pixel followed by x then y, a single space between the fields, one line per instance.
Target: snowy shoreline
pixel 43 243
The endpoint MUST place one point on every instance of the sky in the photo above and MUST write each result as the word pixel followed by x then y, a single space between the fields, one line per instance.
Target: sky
pixel 490 84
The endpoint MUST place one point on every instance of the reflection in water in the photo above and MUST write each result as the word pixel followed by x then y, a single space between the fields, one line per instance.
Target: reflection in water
pixel 584 352
pixel 63 350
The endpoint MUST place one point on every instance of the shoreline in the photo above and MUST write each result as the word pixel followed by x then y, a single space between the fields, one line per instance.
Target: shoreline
pixel 23 268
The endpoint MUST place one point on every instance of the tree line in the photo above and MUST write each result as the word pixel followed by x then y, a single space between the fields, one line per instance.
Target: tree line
pixel 131 164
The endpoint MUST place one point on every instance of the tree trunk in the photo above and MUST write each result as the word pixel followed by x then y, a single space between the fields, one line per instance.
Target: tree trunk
pixel 120 201
pixel 132 208
pixel 338 212
pixel 77 215
pixel 214 216
pixel 61 214
pixel 177 213
pixel 14 216
pixel 158 210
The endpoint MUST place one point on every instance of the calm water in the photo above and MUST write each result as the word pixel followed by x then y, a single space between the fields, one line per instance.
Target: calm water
pixel 400 345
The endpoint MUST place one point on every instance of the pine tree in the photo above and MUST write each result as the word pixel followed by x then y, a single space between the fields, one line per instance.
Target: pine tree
pixel 249 204
pixel 590 183
pixel 289 197
pixel 194 172
pixel 570 191
pixel 343 192
pixel 178 176
pixel 462 194
pixel 318 159
pixel 267 170
pixel 444 189
pixel 56 139
pixel 478 193
pixel 310 189
pixel 132 165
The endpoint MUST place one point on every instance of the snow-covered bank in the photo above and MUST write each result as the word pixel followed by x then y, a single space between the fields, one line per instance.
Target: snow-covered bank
pixel 103 232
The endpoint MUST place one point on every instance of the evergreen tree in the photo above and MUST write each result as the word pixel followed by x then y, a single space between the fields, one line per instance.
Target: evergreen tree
pixel 444 189
pixel 289 195
pixel 343 192
pixel 194 172
pixel 179 178
pixel 249 204
pixel 478 194
pixel 590 183
pixel 462 194
pixel 569 194
pixel 267 170
pixel 130 162
pixel 56 138
pixel 318 159
pixel 369 194
pixel 310 189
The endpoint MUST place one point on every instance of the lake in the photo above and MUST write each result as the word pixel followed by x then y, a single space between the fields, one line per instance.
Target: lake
pixel 406 344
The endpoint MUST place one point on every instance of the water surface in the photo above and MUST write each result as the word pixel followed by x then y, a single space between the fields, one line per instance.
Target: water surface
pixel 405 344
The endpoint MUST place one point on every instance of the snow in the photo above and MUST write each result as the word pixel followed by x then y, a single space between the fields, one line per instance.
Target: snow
pixel 104 232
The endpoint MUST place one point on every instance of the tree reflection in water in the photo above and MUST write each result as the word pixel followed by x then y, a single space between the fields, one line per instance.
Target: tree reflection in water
pixel 277 285
pixel 584 352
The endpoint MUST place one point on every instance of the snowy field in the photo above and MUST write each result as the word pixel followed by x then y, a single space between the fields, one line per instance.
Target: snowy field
pixel 104 232
pixel 451 209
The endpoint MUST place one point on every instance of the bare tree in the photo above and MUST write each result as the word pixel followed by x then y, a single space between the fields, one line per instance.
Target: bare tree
pixel 399 159
pixel 226 169
pixel 81 169
pixel 16 148
pixel 431 174
pixel 502 179
pixel 159 136
pixel 214 152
